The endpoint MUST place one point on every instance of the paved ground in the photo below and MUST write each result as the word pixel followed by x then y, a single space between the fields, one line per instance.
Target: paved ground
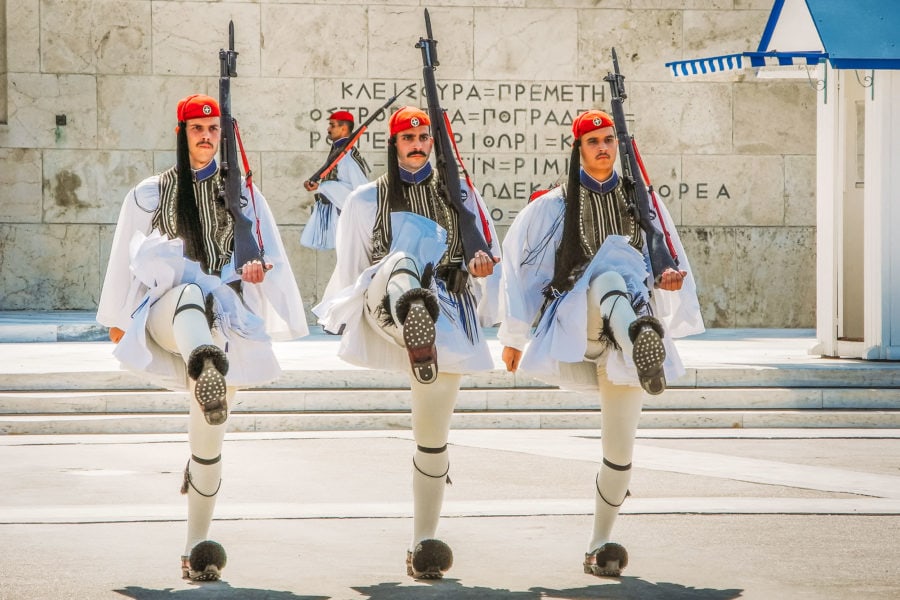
pixel 715 515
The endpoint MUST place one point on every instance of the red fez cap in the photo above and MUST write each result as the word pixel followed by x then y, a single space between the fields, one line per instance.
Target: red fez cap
pixel 407 117
pixel 590 120
pixel 341 115
pixel 197 106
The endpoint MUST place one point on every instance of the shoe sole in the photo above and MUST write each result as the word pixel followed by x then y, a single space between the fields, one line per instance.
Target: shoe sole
pixel 210 392
pixel 419 336
pixel 606 561
pixel 649 355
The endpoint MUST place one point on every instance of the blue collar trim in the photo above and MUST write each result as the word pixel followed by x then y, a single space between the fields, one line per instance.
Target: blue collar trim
pixel 417 177
pixel 600 187
pixel 341 142
pixel 207 171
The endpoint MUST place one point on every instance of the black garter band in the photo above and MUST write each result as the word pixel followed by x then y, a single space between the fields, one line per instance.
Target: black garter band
pixel 614 467
pixel 187 475
pixel 428 450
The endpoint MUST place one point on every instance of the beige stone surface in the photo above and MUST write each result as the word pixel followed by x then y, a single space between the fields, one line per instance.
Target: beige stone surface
pixel 753 195
pixel 102 36
pixel 23 42
pixel 286 52
pixel 718 32
pixel 775 277
pixel 20 180
pixel 34 102
pixel 89 186
pixel 644 40
pixel 712 255
pixel 800 190
pixel 62 267
pixel 506 40
pixel 147 119
pixel 774 118
pixel 187 37
pixel 689 119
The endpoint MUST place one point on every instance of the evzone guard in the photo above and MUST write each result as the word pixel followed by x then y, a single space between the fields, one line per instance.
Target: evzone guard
pixel 187 314
pixel 578 264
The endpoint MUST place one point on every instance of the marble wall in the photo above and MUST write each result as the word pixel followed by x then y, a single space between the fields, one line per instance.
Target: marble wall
pixel 92 85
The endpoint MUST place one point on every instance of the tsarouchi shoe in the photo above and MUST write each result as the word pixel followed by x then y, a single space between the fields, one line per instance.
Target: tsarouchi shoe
pixel 430 560
pixel 417 311
pixel 649 353
pixel 205 563
pixel 606 561
pixel 207 366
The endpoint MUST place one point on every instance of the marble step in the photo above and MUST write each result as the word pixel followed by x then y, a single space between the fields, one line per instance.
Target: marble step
pixel 470 399
pixel 158 423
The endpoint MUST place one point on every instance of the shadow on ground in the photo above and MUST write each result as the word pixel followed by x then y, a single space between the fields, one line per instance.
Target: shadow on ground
pixel 634 588
pixel 217 590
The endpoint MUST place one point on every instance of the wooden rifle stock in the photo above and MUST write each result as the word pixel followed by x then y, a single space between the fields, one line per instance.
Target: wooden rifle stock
pixel 636 188
pixel 470 231
pixel 245 243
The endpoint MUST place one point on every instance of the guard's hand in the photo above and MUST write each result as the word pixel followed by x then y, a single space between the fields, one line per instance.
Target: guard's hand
pixel 482 264
pixel 511 356
pixel 115 334
pixel 254 271
pixel 672 280
pixel 310 186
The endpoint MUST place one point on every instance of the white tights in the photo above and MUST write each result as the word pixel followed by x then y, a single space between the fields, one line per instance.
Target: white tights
pixel 180 334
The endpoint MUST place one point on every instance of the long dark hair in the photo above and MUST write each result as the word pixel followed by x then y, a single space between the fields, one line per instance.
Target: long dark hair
pixel 571 256
pixel 187 216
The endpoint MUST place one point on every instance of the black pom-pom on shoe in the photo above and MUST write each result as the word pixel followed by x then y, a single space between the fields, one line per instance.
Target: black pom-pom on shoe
pixel 430 560
pixel 205 563
pixel 606 561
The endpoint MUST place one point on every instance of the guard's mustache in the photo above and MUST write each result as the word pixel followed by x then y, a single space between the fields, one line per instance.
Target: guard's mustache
pixel 415 153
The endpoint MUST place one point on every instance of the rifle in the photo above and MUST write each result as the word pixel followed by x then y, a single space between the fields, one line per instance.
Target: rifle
pixel 331 163
pixel 246 247
pixel 470 233
pixel 636 188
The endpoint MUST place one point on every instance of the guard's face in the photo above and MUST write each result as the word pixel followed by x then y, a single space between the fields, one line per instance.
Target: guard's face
pixel 337 131
pixel 599 149
pixel 203 136
pixel 414 147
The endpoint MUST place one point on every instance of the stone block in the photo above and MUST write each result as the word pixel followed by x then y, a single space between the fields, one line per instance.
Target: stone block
pixel 272 112
pixel 23 42
pixel 95 36
pixel 505 40
pixel 162 160
pixel 62 267
pixel 775 277
pixel 644 40
pixel 577 3
pixel 89 186
pixel 391 55
pixel 718 32
pixel 711 254
pixel 35 102
pixel 287 52
pixel 665 173
pixel 694 118
pixel 285 174
pixel 20 179
pixel 800 190
pixel 774 118
pixel 187 37
pixel 127 121
pixel 740 190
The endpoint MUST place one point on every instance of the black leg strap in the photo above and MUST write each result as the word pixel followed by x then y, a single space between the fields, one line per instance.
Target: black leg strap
pixel 616 467
pixel 205 461
pixel 188 307
pixel 602 497
pixel 402 270
pixel 428 450
pixel 612 293
pixel 189 482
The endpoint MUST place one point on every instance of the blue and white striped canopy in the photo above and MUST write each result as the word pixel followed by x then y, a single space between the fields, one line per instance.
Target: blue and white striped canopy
pixel 731 62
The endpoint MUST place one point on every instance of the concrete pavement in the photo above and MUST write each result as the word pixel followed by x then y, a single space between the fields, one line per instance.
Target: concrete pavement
pixel 714 515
